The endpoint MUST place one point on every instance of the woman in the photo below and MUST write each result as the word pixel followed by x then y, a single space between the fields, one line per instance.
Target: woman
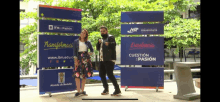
pixel 82 63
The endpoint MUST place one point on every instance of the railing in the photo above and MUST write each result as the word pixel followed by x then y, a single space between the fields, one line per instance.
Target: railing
pixel 185 53
pixel 116 72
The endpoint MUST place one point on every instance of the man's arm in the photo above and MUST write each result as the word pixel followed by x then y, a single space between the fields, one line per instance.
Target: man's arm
pixel 112 42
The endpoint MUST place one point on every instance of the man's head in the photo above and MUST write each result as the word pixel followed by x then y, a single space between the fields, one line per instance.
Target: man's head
pixel 104 31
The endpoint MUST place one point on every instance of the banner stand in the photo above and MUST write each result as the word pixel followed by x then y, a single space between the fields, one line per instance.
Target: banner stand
pixel 126 72
pixel 58 79
pixel 49 93
pixel 126 87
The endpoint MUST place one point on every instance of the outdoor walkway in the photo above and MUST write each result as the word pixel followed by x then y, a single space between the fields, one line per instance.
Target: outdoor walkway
pixel 30 94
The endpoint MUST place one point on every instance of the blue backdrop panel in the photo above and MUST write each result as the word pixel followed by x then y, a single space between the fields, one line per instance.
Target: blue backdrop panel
pixel 142 51
pixel 57 12
pixel 142 16
pixel 134 76
pixel 58 26
pixel 135 29
pixel 55 50
pixel 57 80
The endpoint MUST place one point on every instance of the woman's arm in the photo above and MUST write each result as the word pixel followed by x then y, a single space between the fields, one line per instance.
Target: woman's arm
pixel 91 48
pixel 98 46
pixel 74 51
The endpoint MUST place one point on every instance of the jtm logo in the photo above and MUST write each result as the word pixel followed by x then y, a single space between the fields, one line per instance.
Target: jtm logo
pixel 50 27
pixel 132 30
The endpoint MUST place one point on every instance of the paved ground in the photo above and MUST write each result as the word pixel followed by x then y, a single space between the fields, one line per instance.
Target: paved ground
pixel 30 94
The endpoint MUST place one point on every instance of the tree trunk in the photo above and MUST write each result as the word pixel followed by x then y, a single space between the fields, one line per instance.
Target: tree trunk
pixel 181 54
pixel 96 62
pixel 181 58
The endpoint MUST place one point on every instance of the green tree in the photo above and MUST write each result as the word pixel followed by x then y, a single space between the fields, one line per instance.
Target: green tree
pixel 96 13
pixel 185 33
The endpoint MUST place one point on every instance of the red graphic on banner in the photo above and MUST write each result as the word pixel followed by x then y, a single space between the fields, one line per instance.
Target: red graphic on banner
pixel 141 46
pixel 56 7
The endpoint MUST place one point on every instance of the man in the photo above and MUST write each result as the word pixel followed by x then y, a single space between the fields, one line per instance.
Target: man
pixel 106 47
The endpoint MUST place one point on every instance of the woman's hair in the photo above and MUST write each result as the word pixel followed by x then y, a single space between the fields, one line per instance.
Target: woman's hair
pixel 86 38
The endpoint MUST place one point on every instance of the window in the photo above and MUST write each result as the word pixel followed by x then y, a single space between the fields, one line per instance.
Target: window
pixel 22 10
pixel 195 14
pixel 181 16
pixel 22 47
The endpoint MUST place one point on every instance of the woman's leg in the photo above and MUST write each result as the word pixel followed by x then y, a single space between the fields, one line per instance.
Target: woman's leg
pixel 77 84
pixel 83 83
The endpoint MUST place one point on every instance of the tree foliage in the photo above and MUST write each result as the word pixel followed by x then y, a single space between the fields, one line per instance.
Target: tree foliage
pixel 185 33
pixel 96 13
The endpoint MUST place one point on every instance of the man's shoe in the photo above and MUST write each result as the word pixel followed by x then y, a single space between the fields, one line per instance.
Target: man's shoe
pixel 105 92
pixel 116 92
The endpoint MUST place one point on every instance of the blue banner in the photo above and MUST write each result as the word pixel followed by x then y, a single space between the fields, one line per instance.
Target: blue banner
pixel 142 16
pixel 55 50
pixel 59 12
pixel 58 26
pixel 134 76
pixel 142 50
pixel 55 80
pixel 130 29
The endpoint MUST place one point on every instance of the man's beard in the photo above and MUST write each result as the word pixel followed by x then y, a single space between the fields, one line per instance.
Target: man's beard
pixel 104 36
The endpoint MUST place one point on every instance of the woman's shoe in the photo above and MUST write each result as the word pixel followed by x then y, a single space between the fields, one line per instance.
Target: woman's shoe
pixel 77 94
pixel 84 93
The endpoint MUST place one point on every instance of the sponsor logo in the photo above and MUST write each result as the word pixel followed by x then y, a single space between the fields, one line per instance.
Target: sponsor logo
pixel 132 30
pixel 42 14
pixel 61 77
pixel 57 45
pixel 149 30
pixel 57 61
pixel 60 27
pixel 50 27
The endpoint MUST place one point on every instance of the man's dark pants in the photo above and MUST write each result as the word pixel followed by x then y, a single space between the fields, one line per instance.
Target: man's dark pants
pixel 107 67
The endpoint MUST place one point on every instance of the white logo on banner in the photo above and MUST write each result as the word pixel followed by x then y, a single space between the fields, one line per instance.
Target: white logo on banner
pixel 149 30
pixel 56 27
pixel 50 27
pixel 70 28
pixel 132 30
